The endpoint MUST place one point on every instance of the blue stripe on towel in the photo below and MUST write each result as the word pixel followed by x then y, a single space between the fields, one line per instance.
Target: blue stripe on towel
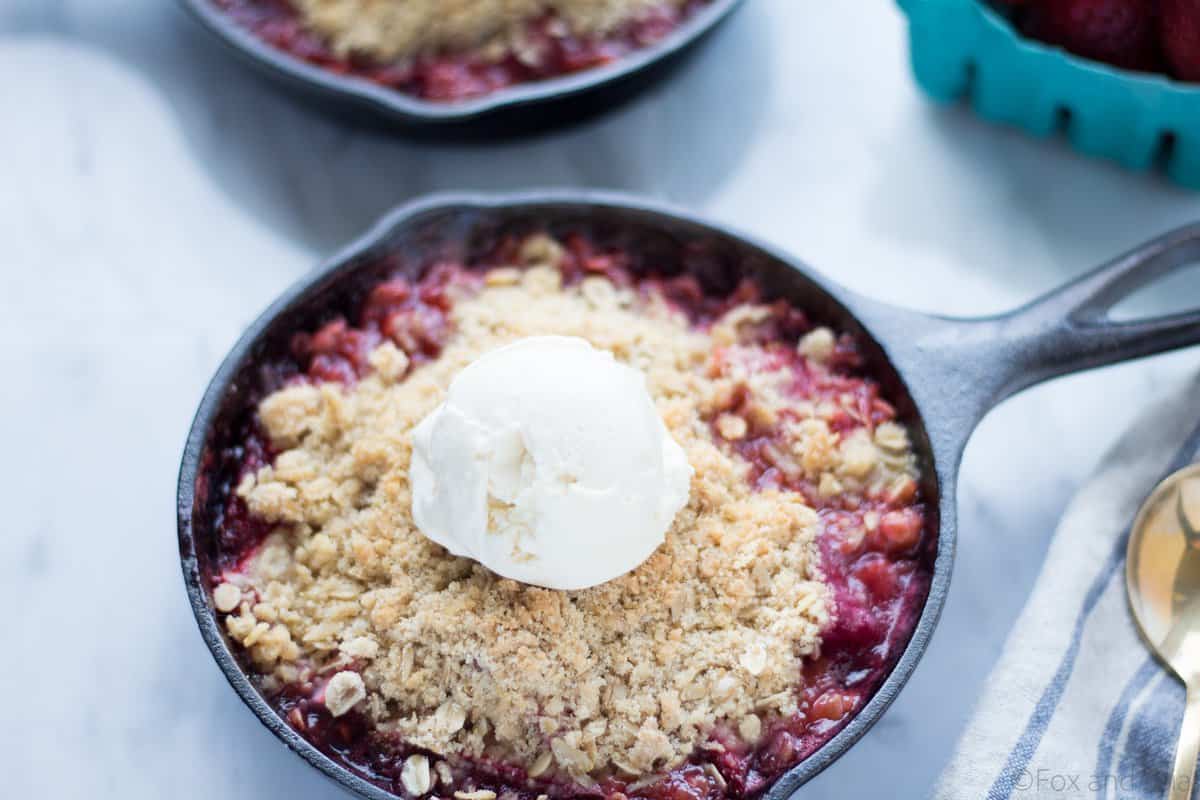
pixel 1144 768
pixel 1035 728
pixel 1116 719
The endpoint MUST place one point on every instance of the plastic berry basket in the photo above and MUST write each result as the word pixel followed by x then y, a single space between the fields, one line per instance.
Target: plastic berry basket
pixel 965 49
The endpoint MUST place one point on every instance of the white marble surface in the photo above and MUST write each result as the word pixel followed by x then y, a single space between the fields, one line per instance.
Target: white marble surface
pixel 154 197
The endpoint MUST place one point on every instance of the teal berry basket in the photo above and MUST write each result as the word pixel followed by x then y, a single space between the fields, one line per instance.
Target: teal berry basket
pixel 965 49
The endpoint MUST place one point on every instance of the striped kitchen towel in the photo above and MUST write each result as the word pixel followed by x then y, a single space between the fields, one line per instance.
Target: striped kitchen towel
pixel 1077 707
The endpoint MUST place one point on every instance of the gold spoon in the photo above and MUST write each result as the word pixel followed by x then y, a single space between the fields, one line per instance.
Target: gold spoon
pixel 1163 580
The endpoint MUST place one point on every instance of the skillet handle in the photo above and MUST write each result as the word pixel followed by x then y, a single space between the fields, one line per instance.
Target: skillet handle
pixel 959 369
pixel 1071 329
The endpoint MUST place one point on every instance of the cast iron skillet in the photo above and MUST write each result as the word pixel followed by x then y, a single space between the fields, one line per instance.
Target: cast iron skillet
pixel 944 374
pixel 507 110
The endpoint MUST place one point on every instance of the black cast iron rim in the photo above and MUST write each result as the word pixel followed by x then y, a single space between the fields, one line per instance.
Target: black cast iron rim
pixel 403 108
pixel 938 469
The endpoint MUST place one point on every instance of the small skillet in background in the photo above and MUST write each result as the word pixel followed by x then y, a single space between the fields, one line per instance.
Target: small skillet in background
pixel 523 107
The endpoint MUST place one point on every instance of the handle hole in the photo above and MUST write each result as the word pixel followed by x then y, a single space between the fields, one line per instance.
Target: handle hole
pixel 1172 294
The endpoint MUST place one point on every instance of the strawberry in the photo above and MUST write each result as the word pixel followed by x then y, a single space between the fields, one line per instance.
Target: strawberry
pixel 900 531
pixel 1119 32
pixel 1179 27
pixel 878 575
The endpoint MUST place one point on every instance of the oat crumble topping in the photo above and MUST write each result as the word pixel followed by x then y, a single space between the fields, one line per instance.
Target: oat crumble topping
pixel 624 679
pixel 398 29
pixel 344 691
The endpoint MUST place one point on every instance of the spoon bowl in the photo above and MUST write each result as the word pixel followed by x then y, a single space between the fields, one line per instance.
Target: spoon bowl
pixel 1163 572
pixel 1163 581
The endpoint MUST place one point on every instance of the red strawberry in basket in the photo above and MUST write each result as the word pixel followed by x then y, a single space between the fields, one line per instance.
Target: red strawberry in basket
pixel 1179 25
pixel 1120 32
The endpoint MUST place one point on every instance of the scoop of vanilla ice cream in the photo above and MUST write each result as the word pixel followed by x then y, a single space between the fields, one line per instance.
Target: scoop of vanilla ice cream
pixel 548 464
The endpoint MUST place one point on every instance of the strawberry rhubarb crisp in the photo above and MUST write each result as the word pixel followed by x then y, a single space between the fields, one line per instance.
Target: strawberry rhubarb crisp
pixel 780 596
pixel 453 50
